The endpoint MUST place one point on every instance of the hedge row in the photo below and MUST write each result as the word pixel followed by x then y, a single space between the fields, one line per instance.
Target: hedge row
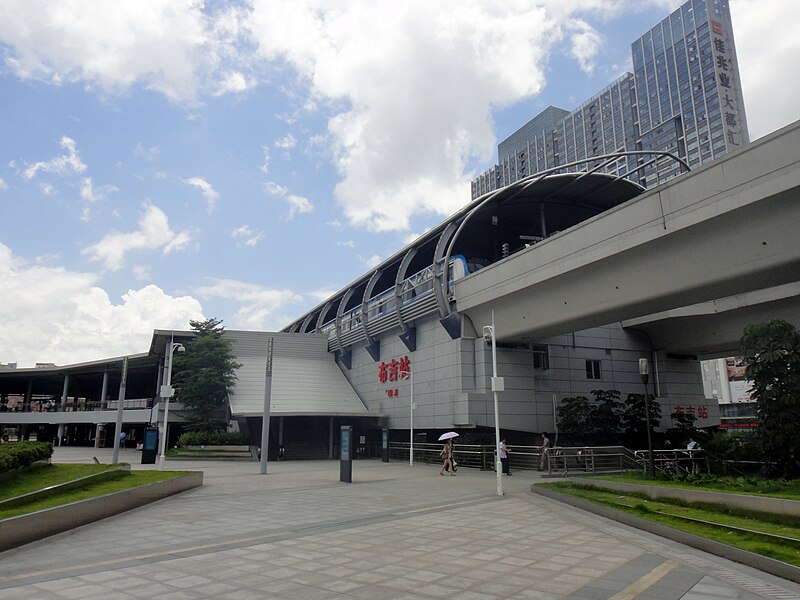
pixel 211 438
pixel 14 455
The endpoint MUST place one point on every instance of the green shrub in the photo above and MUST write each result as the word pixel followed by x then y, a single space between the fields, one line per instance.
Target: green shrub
pixel 15 455
pixel 211 438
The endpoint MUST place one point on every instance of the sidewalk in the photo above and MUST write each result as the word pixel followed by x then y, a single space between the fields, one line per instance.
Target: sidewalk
pixel 395 532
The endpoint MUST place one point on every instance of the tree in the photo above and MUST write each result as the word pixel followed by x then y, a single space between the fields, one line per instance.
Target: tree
pixel 574 416
pixel 683 430
pixel 634 418
pixel 605 418
pixel 772 355
pixel 204 375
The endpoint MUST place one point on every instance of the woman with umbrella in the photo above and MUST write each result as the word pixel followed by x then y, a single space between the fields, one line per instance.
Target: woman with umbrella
pixel 447 452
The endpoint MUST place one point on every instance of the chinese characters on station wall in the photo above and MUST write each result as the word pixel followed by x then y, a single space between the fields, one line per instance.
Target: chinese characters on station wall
pixel 394 370
pixel 728 100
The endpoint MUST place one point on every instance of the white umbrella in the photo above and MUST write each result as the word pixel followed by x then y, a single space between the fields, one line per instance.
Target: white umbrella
pixel 447 436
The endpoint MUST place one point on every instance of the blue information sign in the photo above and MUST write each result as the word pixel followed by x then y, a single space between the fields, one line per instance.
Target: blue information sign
pixel 345 445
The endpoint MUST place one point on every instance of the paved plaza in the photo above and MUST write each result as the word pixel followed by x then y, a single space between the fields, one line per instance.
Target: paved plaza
pixel 395 533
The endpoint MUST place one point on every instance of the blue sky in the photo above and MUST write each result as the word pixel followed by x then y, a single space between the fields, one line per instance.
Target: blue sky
pixel 163 160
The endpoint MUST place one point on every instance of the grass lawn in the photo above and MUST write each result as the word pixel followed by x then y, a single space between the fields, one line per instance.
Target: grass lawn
pixel 789 490
pixel 670 513
pixel 62 473
pixel 38 478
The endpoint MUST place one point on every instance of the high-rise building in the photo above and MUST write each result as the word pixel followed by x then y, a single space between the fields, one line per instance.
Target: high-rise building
pixel 684 97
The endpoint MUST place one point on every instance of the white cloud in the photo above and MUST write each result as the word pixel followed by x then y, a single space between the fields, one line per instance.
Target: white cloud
pixel 141 272
pixel 3 184
pixel 70 319
pixel 287 142
pixel 397 155
pixel 234 82
pixel 347 244
pixel 769 59
pixel 172 47
pixel 259 306
pixel 209 193
pixel 148 154
pixel 47 189
pixel 321 294
pixel 372 261
pixel 297 204
pixel 264 168
pixel 586 43
pixel 64 164
pixel 247 235
pixel 91 194
pixel 154 232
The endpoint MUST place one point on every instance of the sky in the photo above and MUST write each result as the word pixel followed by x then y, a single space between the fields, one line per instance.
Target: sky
pixel 169 160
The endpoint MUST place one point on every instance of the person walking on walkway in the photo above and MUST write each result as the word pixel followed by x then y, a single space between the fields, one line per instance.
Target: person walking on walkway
pixel 543 455
pixel 504 458
pixel 447 458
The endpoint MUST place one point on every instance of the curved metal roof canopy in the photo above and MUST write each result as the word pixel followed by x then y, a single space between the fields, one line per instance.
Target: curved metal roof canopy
pixel 483 232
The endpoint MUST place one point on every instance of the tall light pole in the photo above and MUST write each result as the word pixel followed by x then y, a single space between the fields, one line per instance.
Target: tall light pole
pixel 262 460
pixel 410 377
pixel 498 385
pixel 167 392
pixel 644 371
pixel 120 407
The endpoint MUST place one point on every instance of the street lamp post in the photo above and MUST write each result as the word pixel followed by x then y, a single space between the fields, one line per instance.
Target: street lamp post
pixel 410 377
pixel 497 387
pixel 167 392
pixel 644 371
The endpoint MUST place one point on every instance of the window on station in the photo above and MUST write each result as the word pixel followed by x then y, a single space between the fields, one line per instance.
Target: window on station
pixel 541 356
pixel 593 370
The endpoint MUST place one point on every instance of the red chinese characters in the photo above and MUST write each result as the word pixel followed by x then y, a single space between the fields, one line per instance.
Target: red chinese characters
pixel 394 369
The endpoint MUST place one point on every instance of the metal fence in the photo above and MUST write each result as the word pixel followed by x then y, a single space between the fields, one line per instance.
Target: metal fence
pixel 557 461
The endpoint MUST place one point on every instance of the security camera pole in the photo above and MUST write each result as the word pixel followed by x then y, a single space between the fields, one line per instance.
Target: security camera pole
pixel 167 392
pixel 498 385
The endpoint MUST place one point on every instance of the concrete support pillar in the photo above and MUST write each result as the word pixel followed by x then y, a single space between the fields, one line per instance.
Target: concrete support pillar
pixel 280 431
pixel 99 434
pixel 26 404
pixel 61 428
pixel 65 393
pixel 104 392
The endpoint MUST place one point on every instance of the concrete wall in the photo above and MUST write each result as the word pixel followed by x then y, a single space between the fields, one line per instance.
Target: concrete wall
pixel 452 378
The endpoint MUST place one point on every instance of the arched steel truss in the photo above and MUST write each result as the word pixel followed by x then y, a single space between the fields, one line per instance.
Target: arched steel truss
pixel 407 307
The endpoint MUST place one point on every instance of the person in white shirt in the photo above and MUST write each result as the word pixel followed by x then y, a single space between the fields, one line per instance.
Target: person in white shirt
pixel 504 457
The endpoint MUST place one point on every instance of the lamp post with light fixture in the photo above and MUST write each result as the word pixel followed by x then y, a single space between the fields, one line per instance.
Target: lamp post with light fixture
pixel 498 385
pixel 410 377
pixel 644 371
pixel 167 392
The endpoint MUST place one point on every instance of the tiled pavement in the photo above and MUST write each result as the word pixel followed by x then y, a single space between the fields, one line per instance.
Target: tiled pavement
pixel 394 533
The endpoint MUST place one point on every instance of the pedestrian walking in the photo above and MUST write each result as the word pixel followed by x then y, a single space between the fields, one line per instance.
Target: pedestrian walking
pixel 504 450
pixel 447 458
pixel 543 454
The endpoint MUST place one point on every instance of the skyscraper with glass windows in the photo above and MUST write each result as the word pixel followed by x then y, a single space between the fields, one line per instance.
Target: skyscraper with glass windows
pixel 684 97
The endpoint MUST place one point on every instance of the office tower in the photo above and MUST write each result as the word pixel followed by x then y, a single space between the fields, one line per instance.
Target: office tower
pixel 684 97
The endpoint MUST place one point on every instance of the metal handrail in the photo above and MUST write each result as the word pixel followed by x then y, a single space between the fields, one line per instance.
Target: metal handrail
pixel 675 461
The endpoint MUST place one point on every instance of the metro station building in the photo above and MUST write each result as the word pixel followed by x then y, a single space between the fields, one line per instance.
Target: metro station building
pixel 355 358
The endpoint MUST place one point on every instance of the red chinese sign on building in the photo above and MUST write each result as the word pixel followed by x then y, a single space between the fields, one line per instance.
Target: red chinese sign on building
pixel 394 370
pixel 700 412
